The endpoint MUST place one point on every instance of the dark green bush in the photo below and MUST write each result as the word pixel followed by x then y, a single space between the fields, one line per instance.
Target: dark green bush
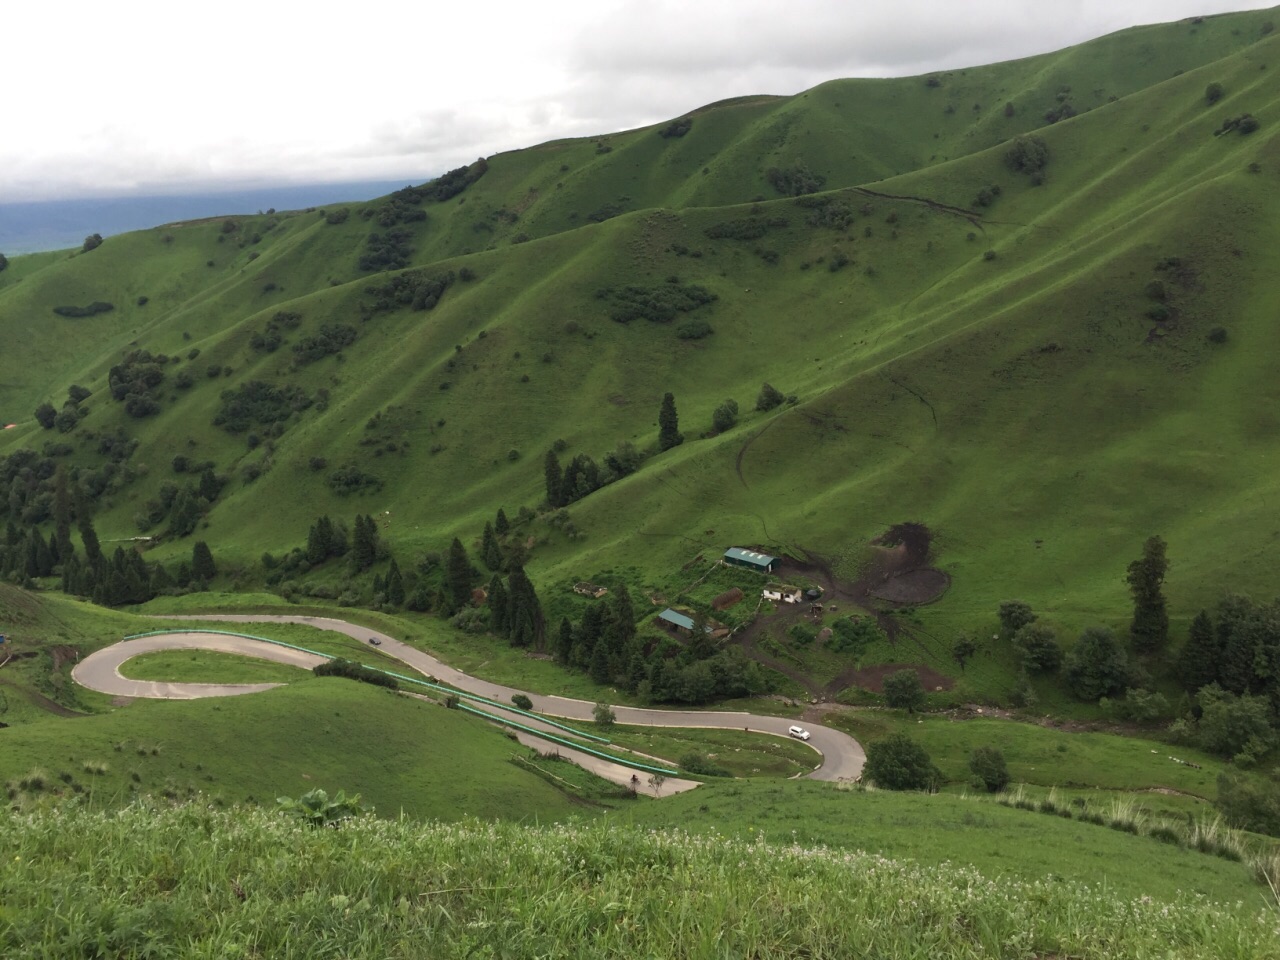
pixel 676 128
pixel 694 330
pixel 338 667
pixel 989 770
pixel 98 306
pixel 350 479
pixel 796 180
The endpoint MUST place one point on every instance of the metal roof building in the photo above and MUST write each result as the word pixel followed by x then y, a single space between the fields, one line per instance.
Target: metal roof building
pixel 749 558
pixel 669 616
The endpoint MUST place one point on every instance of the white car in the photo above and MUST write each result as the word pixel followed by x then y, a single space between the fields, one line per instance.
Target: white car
pixel 800 733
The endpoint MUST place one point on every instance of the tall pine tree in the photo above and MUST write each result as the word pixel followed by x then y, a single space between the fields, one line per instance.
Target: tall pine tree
pixel 62 516
pixel 528 626
pixel 202 565
pixel 395 585
pixel 669 424
pixel 1198 659
pixel 490 553
pixel 501 525
pixel 458 575
pixel 1149 630
pixel 499 607
pixel 554 479
pixel 364 543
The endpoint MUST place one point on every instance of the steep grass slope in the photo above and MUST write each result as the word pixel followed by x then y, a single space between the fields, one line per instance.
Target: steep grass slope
pixel 1009 373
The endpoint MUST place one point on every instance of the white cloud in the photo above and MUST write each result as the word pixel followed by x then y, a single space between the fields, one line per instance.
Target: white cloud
pixel 141 94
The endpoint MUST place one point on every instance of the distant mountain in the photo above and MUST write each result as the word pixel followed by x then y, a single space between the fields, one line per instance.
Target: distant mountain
pixel 61 224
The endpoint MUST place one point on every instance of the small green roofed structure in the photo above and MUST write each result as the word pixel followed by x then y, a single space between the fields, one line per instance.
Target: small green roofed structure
pixel 678 620
pixel 749 558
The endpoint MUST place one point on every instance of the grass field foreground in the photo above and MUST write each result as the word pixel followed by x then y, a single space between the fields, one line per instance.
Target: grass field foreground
pixel 252 882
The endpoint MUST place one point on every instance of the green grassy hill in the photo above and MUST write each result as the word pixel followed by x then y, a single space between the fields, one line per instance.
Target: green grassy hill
pixel 1027 370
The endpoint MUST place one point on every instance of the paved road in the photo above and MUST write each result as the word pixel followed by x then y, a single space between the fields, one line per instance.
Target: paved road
pixel 837 755
pixel 101 670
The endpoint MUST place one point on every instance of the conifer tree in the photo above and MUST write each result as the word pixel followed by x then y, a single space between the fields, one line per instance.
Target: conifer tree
pixel 599 666
pixel 395 585
pixel 210 485
pixel 202 565
pixel 184 515
pixel 554 479
pixel 89 537
pixel 499 607
pixel 635 670
pixel 528 626
pixel 490 553
pixel 1149 630
pixel 500 524
pixel 364 543
pixel 624 615
pixel 420 600
pixel 317 545
pixel 669 424
pixel 564 641
pixel 458 575
pixel 62 516
pixel 1199 657
pixel 160 579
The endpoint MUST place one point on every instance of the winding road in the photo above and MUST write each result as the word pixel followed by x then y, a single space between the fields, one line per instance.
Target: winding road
pixel 842 756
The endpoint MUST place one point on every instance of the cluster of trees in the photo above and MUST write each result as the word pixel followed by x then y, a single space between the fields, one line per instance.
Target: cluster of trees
pixel 134 380
pixel 515 612
pixel 328 340
pixel 1028 155
pixel 583 476
pixel 258 403
pixel 184 505
pixel 416 288
pixel 269 339
pixel 747 228
pixel 796 180
pixel 899 763
pixel 125 577
pixel 605 644
pixel 71 413
pixel 390 250
pixel 659 303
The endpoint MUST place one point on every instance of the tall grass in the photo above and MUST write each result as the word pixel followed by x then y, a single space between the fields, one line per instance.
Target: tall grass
pixel 193 882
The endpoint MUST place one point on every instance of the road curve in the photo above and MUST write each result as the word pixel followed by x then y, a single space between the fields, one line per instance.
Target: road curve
pixel 101 670
pixel 841 755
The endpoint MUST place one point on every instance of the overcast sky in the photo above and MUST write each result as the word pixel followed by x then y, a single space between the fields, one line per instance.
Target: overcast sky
pixel 146 96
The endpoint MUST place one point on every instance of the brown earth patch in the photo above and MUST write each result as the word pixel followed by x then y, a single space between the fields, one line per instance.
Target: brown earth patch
pixel 913 587
pixel 872 678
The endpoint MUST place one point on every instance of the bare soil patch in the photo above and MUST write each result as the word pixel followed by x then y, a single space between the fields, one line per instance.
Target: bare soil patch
pixel 872 678
pixel 913 587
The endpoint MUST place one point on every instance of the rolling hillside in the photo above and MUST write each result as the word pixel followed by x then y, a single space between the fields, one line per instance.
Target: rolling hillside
pixel 1045 365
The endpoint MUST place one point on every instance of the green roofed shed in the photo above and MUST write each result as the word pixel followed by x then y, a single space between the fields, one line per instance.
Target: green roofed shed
pixel 669 616
pixel 751 559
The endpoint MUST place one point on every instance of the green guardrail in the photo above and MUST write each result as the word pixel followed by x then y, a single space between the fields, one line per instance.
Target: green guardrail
pixel 511 708
pixel 542 734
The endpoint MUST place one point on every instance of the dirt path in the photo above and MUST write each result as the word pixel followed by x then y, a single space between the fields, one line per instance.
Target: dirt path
pixel 737 466
pixel 933 205
pixel 43 702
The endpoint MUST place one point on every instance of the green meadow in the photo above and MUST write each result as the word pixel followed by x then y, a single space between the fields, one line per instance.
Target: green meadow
pixel 1027 306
